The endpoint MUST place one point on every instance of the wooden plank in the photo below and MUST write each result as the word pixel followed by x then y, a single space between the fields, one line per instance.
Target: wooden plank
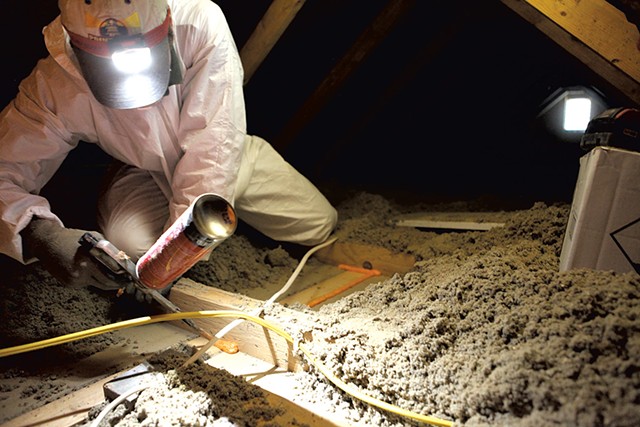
pixel 328 286
pixel 294 415
pixel 593 31
pixel 252 339
pixel 449 225
pixel 280 383
pixel 268 31
pixel 360 255
pixel 473 221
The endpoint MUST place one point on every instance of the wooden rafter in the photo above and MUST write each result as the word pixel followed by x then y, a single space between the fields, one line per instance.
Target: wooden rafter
pixel 266 34
pixel 349 63
pixel 593 31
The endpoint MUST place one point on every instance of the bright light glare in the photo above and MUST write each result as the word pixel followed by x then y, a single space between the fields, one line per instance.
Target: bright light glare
pixel 140 88
pixel 577 113
pixel 132 61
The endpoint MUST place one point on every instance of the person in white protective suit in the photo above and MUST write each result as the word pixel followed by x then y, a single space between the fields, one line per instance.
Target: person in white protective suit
pixel 157 85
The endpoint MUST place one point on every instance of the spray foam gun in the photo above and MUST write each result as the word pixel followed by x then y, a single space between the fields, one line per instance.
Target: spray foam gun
pixel 206 223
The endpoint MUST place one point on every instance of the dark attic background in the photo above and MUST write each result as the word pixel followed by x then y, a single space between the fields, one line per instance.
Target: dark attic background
pixel 445 107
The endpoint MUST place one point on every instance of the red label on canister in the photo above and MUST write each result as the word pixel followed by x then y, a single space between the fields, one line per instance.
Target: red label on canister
pixel 207 222
pixel 170 261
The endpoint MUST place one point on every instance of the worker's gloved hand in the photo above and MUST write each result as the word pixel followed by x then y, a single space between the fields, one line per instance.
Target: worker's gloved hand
pixel 60 253
pixel 142 296
pixel 139 295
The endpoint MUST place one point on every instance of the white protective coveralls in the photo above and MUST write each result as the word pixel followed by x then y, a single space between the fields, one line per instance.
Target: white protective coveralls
pixel 192 141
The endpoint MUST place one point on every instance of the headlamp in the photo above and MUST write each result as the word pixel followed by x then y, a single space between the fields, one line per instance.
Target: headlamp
pixel 130 55
pixel 132 61
pixel 125 70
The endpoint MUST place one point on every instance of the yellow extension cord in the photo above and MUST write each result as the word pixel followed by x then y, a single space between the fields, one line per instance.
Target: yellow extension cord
pixel 348 388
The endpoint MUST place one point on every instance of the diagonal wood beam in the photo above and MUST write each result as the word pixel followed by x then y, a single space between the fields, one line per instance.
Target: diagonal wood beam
pixel 266 34
pixel 355 56
pixel 593 31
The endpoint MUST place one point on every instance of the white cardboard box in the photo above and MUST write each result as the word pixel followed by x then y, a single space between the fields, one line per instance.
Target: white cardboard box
pixel 603 231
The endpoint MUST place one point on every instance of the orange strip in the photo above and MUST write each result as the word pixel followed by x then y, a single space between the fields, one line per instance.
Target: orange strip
pixel 368 272
pixel 365 275
pixel 227 346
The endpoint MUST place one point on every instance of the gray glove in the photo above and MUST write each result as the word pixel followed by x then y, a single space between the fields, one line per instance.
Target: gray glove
pixel 59 251
pixel 139 295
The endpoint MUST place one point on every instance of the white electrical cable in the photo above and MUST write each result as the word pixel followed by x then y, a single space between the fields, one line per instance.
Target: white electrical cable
pixel 258 311
pixel 115 402
pixel 295 274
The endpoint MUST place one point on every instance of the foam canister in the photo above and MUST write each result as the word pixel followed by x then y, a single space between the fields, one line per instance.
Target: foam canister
pixel 207 222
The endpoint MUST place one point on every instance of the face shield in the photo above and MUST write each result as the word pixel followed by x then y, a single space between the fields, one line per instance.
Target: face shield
pixel 126 49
